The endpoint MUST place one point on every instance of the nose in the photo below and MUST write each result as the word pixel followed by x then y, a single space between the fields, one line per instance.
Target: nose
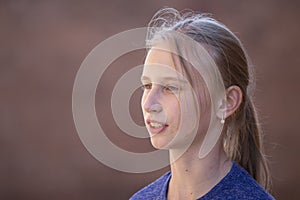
pixel 151 101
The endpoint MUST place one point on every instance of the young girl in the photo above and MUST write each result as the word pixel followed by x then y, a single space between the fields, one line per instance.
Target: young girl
pixel 209 126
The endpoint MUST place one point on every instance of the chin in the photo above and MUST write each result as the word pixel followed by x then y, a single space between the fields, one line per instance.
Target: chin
pixel 167 143
pixel 159 143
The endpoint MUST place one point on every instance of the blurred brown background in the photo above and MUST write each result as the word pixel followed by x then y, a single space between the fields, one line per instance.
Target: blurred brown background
pixel 43 44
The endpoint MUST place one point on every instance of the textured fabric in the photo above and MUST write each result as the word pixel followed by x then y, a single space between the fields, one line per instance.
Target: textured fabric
pixel 236 185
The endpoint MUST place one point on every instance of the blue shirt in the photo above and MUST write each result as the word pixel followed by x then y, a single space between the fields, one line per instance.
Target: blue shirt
pixel 236 185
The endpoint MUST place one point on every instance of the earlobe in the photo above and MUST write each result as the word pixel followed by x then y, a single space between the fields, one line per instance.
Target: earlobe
pixel 221 113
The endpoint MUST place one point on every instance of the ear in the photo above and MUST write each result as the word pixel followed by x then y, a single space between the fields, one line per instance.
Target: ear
pixel 234 97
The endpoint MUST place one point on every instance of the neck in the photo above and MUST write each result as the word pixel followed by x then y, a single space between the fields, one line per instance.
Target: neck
pixel 193 177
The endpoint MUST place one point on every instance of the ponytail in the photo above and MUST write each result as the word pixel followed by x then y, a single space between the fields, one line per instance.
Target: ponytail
pixel 244 146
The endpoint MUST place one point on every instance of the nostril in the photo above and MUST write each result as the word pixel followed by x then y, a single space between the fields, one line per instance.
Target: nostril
pixel 155 108
pixel 151 105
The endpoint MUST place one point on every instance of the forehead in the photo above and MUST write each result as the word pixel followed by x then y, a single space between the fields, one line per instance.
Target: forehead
pixel 160 63
pixel 159 56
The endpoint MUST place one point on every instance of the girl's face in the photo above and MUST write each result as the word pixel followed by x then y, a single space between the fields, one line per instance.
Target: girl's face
pixel 168 103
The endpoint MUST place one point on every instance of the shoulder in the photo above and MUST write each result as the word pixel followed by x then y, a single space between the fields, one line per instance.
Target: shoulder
pixel 155 190
pixel 238 184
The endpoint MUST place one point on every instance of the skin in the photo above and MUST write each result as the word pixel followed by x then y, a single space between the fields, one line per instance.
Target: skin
pixel 191 177
pixel 168 99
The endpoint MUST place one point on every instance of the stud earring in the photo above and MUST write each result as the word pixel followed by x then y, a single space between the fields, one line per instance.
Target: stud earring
pixel 222 120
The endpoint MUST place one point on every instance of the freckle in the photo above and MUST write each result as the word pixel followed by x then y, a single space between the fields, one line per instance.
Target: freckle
pixel 191 193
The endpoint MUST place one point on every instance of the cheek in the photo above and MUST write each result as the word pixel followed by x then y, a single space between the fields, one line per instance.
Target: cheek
pixel 143 101
pixel 187 117
pixel 189 111
pixel 173 110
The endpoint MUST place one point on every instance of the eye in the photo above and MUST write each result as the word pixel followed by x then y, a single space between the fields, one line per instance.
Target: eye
pixel 171 88
pixel 147 86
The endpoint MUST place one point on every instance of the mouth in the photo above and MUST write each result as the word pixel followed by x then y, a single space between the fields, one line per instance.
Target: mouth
pixel 155 127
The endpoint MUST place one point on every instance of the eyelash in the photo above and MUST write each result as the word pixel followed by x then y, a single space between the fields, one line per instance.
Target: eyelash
pixel 146 86
pixel 171 88
pixel 167 87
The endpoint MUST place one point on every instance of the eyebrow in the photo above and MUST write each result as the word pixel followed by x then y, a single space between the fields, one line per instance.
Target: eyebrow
pixel 145 78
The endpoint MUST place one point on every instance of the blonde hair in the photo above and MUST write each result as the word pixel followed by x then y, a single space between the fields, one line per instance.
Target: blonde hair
pixel 242 140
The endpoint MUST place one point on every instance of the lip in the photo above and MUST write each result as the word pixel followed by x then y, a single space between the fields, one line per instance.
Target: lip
pixel 154 130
